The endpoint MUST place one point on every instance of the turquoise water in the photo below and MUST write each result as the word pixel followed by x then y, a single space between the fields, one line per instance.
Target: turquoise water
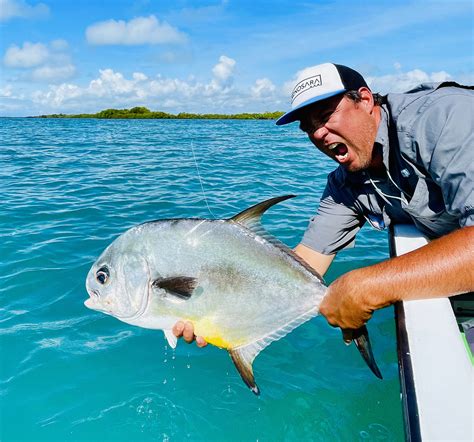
pixel 68 188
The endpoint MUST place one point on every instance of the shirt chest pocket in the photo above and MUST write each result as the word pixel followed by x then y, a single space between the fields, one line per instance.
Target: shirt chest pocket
pixel 427 208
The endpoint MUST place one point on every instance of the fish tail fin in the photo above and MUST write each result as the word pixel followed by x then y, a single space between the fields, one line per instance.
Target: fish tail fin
pixel 362 342
pixel 243 358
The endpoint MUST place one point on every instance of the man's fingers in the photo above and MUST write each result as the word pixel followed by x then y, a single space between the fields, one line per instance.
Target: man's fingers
pixel 347 335
pixel 200 341
pixel 188 332
pixel 178 329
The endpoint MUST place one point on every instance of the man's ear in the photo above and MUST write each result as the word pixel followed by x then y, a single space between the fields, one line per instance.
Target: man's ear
pixel 367 99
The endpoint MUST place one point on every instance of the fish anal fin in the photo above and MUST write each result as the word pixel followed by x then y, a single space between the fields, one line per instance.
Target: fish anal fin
pixel 250 217
pixel 171 338
pixel 243 362
pixel 244 356
pixel 181 287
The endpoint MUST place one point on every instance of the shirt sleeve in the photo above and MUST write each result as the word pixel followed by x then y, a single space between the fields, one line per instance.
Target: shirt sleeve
pixel 336 222
pixel 447 151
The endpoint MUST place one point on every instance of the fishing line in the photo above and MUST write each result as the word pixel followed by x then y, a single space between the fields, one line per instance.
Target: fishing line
pixel 200 180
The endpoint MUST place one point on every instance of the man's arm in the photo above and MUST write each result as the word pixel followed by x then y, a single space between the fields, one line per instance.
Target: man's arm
pixel 442 268
pixel 316 260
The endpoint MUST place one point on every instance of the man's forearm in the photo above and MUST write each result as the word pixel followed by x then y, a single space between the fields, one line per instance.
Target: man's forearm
pixel 444 267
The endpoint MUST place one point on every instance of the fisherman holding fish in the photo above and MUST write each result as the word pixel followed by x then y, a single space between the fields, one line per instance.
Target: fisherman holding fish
pixel 403 158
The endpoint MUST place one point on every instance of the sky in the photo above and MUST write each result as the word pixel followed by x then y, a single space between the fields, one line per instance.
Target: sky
pixel 222 56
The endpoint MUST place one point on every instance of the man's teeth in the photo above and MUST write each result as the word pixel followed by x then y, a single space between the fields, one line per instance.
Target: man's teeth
pixel 342 157
pixel 333 146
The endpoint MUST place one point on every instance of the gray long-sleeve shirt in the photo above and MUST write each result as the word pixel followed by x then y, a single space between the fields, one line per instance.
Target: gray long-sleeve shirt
pixel 426 138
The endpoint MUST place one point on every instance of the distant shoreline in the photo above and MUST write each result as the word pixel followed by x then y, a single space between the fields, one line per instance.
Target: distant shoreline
pixel 146 114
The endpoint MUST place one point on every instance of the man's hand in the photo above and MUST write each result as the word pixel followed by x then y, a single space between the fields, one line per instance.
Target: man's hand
pixel 441 268
pixel 186 330
pixel 346 305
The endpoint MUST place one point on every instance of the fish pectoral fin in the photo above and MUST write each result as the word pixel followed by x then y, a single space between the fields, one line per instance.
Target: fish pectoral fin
pixel 362 342
pixel 171 338
pixel 243 360
pixel 181 287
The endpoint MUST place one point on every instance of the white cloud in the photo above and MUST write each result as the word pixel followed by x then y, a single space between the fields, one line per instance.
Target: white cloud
pixel 224 69
pixel 47 63
pixel 57 95
pixel 30 55
pixel 138 76
pixel 7 91
pixel 53 73
pixel 396 82
pixel 404 81
pixel 263 87
pixel 138 31
pixel 223 73
pixel 59 45
pixel 111 82
pixel 112 89
pixel 10 9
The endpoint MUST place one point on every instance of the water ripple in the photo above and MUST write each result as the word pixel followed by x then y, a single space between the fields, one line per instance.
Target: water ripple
pixel 68 188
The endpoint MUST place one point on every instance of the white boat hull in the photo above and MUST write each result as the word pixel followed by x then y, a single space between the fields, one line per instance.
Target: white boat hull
pixel 436 373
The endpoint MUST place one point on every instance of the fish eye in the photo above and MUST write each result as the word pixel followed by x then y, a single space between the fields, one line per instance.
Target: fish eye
pixel 102 275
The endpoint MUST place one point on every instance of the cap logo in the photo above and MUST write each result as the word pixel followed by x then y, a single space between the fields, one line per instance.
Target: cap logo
pixel 305 85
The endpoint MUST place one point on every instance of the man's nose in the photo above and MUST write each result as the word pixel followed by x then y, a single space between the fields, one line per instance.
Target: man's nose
pixel 320 133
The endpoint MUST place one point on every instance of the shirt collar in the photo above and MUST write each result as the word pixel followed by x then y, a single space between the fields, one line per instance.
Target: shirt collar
pixel 382 137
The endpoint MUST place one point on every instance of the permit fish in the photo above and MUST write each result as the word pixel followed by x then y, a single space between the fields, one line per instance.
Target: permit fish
pixel 241 287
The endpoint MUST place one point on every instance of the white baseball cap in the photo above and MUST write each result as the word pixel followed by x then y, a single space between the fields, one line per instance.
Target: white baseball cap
pixel 319 82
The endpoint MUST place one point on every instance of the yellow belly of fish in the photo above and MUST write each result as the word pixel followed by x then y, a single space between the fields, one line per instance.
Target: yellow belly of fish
pixel 206 328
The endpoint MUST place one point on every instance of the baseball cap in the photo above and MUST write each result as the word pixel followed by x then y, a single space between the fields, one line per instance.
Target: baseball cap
pixel 319 82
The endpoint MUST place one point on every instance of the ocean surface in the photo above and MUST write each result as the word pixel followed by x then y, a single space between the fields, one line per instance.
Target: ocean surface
pixel 67 189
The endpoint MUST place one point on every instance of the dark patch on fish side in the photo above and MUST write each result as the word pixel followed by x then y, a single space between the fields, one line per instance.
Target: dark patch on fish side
pixel 180 286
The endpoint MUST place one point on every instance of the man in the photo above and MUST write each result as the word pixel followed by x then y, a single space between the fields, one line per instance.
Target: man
pixel 402 158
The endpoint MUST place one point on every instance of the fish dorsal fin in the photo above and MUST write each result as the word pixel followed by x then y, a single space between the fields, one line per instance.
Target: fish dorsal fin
pixel 244 356
pixel 251 217
pixel 181 287
pixel 171 338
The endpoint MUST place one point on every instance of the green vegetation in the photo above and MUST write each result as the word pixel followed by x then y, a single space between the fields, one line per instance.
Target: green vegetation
pixel 144 113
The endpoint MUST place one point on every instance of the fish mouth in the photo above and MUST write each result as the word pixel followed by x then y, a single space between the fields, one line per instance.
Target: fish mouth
pixel 93 302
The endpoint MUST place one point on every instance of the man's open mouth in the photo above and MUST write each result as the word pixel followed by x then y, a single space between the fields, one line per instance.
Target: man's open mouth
pixel 340 151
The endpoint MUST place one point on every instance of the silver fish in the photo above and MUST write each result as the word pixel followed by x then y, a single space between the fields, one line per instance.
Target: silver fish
pixel 240 287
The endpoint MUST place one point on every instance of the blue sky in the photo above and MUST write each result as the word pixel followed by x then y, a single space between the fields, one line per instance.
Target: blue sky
pixel 218 56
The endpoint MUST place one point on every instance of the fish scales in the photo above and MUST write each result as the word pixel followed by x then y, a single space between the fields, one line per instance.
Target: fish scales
pixel 248 286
